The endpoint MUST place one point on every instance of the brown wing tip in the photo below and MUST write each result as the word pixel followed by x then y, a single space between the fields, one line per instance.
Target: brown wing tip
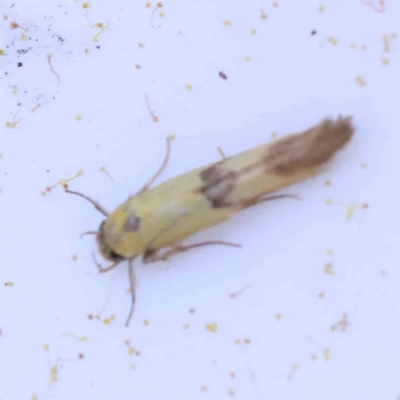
pixel 334 134
pixel 312 148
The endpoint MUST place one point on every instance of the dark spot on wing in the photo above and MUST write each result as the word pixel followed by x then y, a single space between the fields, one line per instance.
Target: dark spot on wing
pixel 132 223
pixel 218 184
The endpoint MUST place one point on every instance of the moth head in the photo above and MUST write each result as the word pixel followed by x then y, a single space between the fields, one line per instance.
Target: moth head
pixel 104 249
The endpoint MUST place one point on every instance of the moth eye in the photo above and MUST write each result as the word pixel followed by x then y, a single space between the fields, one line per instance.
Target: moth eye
pixel 132 223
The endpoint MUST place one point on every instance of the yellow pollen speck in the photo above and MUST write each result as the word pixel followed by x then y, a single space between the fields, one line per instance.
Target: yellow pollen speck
pixel 247 58
pixel 53 374
pixel 253 31
pixel 46 347
pixel 107 321
pixel 78 117
pixel 189 87
pixel 361 81
pixel 329 269
pixel 332 40
pixel 350 211
pixel 321 8
pixel 86 5
pixel 227 23
pixel 327 354
pixel 278 317
pixel 212 327
pixel 148 4
pixel 385 61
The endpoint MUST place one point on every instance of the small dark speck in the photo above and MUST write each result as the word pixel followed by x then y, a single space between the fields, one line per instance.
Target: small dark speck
pixel 313 32
pixel 47 170
pixel 23 51
pixel 19 64
pixel 222 75
pixel 97 47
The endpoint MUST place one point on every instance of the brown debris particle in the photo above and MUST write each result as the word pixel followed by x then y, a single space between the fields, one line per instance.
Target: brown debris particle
pixel 378 7
pixel 74 257
pixel 62 182
pixel 238 292
pixel 263 15
pixel 342 324
pixel 232 375
pixel 387 42
pixel 153 116
pixel 222 75
pixel 204 388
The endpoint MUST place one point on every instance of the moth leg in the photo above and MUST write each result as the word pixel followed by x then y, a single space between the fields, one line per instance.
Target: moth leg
pixel 252 202
pixel 160 170
pixel 153 256
pixel 132 281
pixel 97 206
pixel 100 267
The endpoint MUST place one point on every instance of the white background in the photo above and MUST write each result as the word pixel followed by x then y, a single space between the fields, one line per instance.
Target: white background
pixel 292 80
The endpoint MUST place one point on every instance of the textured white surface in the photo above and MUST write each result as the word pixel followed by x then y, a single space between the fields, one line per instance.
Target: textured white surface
pixel 292 81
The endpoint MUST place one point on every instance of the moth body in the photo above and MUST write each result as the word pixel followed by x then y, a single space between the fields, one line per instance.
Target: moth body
pixel 164 216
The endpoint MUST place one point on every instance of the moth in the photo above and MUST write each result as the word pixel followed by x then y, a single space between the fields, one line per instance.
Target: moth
pixel 154 222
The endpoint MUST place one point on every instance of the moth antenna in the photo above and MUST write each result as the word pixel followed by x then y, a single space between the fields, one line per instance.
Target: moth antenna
pixel 97 206
pixel 89 233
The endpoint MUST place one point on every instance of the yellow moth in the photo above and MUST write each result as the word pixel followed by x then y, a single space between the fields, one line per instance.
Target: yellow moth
pixel 154 222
